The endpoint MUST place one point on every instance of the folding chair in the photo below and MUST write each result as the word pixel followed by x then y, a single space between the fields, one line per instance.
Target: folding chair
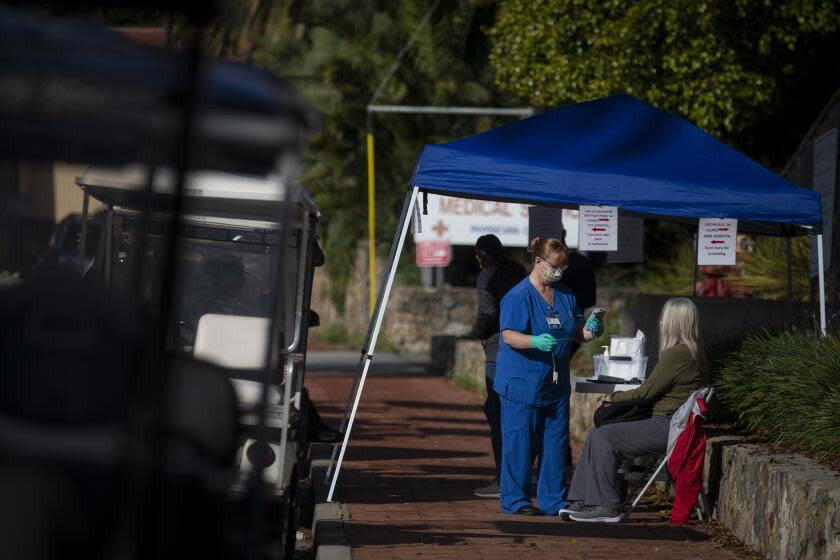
pixel 702 505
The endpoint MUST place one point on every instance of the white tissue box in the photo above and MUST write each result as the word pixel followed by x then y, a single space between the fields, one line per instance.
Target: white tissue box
pixel 623 369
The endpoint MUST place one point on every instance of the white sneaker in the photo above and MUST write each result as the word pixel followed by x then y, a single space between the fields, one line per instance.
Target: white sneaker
pixel 596 514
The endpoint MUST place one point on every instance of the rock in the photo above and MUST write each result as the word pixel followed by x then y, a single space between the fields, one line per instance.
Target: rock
pixel 783 506
pixel 469 361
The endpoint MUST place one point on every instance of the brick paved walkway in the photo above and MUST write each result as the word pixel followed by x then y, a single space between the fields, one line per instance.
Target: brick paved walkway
pixel 420 447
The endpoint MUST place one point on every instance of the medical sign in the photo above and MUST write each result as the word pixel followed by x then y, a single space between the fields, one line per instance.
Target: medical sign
pixel 716 241
pixel 432 253
pixel 461 221
pixel 598 228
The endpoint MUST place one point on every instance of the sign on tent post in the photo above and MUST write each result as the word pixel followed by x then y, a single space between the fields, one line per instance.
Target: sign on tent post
pixel 598 228
pixel 716 241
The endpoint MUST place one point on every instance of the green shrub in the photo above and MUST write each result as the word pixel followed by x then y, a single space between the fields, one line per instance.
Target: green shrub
pixel 469 383
pixel 669 276
pixel 784 387
pixel 334 333
pixel 765 269
pixel 337 334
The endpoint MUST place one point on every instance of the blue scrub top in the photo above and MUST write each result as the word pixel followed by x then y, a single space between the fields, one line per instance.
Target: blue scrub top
pixel 525 376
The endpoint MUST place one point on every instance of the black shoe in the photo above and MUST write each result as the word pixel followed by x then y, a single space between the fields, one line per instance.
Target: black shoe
pixel 527 510
pixel 489 491
pixel 327 435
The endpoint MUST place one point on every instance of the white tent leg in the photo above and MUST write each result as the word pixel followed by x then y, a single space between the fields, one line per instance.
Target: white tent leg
pixel 821 275
pixel 404 214
pixel 377 325
pixel 350 399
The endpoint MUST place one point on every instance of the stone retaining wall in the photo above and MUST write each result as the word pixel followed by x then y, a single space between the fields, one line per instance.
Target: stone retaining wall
pixel 417 314
pixel 414 314
pixel 783 506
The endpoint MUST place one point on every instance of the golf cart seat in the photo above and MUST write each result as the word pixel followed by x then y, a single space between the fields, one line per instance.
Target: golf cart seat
pixel 232 341
pixel 238 343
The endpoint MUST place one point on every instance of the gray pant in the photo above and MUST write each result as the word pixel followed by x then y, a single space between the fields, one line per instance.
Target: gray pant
pixel 596 481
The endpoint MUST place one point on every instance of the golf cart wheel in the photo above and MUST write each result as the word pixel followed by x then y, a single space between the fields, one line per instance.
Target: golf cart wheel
pixel 289 521
pixel 305 502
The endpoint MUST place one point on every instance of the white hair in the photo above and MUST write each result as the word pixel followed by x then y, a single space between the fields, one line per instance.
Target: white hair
pixel 679 323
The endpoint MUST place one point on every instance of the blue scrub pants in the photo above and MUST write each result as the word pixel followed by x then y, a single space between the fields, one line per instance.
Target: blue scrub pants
pixel 526 429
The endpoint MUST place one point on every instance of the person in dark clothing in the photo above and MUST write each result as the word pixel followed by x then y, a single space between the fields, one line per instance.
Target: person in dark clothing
pixel 498 275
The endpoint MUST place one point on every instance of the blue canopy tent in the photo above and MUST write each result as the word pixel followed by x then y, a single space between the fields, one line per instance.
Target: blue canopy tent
pixel 615 151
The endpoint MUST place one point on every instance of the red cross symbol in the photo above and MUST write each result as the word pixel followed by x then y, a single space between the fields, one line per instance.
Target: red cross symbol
pixel 440 228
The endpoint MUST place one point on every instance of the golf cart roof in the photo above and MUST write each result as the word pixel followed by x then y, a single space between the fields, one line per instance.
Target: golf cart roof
pixel 207 193
pixel 78 92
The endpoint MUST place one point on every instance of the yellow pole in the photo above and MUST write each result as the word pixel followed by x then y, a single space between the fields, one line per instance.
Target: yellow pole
pixel 371 224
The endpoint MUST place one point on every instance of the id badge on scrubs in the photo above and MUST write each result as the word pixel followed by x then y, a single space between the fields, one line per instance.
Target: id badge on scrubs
pixel 553 321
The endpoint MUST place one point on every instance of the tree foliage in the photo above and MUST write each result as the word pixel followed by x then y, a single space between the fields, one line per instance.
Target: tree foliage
pixel 242 24
pixel 765 269
pixel 672 276
pixel 719 63
pixel 337 52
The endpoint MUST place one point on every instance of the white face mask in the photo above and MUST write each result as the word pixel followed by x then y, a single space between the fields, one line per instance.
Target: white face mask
pixel 551 274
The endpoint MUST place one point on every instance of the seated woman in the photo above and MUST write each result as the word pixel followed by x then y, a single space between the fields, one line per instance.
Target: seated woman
pixel 597 489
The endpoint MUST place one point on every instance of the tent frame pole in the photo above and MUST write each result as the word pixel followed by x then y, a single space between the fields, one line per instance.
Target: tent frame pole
pixel 821 275
pixel 376 324
pixel 789 279
pixel 403 214
pixel 693 292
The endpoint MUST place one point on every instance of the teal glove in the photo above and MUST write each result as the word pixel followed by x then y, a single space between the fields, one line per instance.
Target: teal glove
pixel 544 342
pixel 595 326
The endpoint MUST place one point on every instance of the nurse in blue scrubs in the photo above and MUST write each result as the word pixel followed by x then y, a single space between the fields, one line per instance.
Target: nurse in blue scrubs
pixel 539 320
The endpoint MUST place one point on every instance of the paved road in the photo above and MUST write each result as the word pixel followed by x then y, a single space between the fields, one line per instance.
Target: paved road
pixel 420 447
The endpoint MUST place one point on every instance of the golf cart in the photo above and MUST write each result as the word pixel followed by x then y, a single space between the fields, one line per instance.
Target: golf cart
pixel 121 431
pixel 236 266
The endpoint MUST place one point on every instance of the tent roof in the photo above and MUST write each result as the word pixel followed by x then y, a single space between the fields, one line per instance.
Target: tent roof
pixel 615 151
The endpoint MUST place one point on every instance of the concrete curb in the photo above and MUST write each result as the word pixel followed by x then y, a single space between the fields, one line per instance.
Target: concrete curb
pixel 329 525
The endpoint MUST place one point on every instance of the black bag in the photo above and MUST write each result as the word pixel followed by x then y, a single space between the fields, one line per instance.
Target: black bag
pixel 625 411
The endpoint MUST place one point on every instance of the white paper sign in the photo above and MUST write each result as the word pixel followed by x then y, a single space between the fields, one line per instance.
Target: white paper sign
pixel 598 228
pixel 716 241
pixel 461 221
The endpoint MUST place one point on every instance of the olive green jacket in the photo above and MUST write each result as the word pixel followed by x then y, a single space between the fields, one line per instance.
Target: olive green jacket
pixel 672 381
